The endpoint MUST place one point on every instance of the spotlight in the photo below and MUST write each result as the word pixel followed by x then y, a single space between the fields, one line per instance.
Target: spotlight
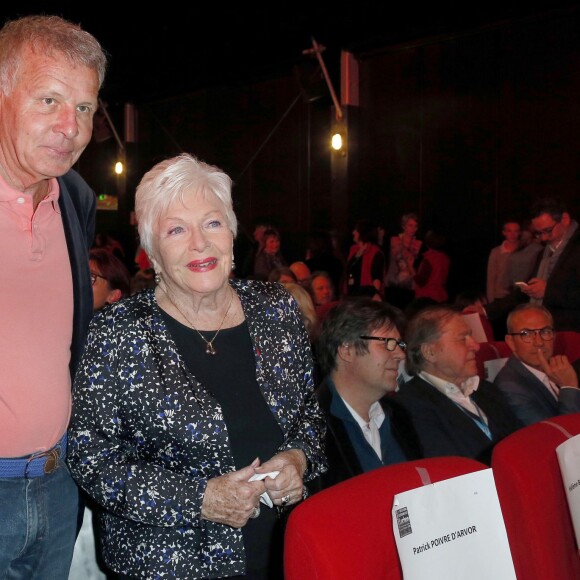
pixel 119 168
pixel 336 142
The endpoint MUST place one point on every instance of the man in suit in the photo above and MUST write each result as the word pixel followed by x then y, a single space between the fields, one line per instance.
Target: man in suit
pixel 557 273
pixel 536 383
pixel 50 75
pixel 453 411
pixel 360 349
pixel 557 279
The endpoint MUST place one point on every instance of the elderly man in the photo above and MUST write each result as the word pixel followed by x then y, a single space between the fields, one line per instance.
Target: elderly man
pixel 360 349
pixel 50 75
pixel 536 383
pixel 453 412
pixel 302 273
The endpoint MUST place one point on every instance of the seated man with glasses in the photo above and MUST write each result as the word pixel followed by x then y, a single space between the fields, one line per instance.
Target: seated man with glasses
pixel 360 349
pixel 536 383
pixel 453 411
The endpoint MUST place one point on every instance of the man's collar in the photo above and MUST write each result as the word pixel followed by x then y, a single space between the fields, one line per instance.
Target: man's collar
pixel 467 387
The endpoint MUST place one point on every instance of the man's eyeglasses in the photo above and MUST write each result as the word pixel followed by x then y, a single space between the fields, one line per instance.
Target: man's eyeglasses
pixel 528 334
pixel 545 231
pixel 390 344
pixel 94 277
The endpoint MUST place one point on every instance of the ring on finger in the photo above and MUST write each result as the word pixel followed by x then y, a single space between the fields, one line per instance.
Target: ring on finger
pixel 256 512
pixel 285 500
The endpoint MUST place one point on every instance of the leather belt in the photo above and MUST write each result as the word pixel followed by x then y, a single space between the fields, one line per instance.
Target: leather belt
pixel 35 465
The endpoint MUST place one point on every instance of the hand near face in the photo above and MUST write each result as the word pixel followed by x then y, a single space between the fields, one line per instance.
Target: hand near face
pixel 291 464
pixel 536 288
pixel 559 370
pixel 230 499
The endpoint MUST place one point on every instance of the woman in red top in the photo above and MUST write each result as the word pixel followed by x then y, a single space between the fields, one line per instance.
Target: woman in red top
pixel 365 265
pixel 430 281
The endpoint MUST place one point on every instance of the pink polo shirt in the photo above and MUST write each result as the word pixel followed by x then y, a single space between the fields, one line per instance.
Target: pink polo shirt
pixel 36 313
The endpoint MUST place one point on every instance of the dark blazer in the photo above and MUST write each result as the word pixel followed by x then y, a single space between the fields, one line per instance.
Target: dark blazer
pixel 77 203
pixel 445 429
pixel 528 396
pixel 562 296
pixel 146 434
pixel 343 462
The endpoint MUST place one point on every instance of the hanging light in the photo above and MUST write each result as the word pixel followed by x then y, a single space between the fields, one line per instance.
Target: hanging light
pixel 119 168
pixel 336 142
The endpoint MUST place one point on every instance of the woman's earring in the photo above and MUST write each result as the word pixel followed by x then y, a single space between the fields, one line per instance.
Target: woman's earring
pixel 157 278
pixel 233 264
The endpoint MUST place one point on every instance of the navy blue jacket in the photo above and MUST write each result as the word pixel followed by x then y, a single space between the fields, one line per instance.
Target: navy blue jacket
pixel 528 396
pixel 445 429
pixel 78 203
pixel 343 462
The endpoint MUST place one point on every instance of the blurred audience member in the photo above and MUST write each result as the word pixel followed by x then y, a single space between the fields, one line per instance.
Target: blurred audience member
pixel 302 273
pixel 321 256
pixel 521 263
pixel 144 277
pixel 105 241
pixel 282 275
pixel 403 253
pixel 142 259
pixel 247 261
pixel 498 261
pixel 304 299
pixel 367 292
pixel 430 281
pixel 322 288
pixel 556 276
pixel 365 264
pixel 142 280
pixel 109 276
pixel 269 256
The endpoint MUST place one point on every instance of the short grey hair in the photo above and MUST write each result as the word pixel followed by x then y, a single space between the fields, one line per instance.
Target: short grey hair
pixel 47 35
pixel 425 327
pixel 527 307
pixel 169 181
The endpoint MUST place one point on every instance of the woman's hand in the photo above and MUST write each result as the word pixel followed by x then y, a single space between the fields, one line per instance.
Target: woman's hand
pixel 230 499
pixel 286 488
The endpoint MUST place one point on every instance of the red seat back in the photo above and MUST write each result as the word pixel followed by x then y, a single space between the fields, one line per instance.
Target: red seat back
pixel 533 500
pixel 345 532
pixel 568 342
pixel 490 351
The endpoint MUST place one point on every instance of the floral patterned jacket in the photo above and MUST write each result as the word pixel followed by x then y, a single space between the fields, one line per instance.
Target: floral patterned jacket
pixel 145 435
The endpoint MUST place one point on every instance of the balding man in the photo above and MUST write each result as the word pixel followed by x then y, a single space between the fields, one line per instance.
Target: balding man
pixel 453 411
pixel 536 383
pixel 302 273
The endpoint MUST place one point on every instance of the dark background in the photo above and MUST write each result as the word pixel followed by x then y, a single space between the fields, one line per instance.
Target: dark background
pixel 464 114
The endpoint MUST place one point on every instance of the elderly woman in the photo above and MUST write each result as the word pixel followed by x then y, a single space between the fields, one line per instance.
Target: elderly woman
pixel 194 400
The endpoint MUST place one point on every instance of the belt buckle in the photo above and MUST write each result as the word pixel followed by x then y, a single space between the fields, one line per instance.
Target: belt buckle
pixel 51 460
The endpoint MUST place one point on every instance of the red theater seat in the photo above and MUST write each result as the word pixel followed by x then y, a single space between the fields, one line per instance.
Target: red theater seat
pixel 533 500
pixel 490 351
pixel 345 532
pixel 568 342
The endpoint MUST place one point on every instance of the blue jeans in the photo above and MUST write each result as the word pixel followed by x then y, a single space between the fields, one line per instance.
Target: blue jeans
pixel 38 525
